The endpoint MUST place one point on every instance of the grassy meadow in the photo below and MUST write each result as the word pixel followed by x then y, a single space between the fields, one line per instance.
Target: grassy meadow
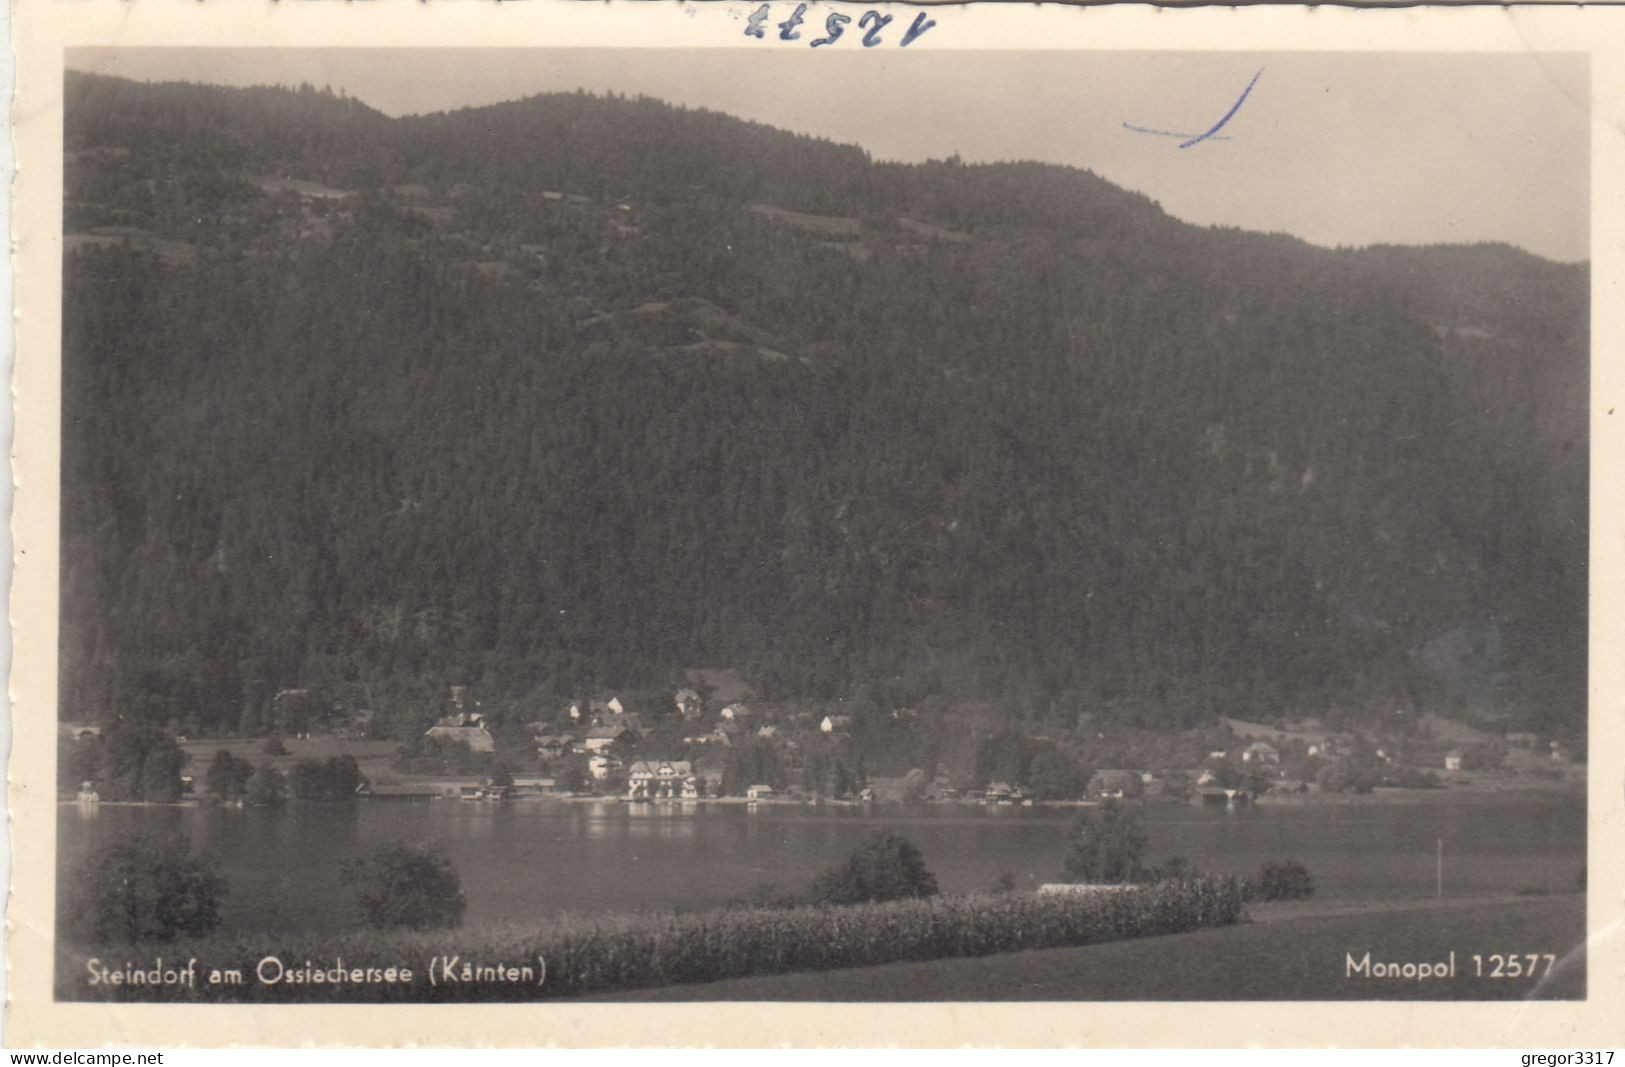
pixel 616 955
pixel 1289 953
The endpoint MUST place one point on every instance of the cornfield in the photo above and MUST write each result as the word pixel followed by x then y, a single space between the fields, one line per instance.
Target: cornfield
pixel 606 955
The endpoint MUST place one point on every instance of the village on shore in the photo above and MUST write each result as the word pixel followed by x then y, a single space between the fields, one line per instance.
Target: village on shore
pixel 726 747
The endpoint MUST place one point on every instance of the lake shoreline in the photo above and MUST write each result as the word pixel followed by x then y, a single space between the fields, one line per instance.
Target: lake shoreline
pixel 1380 796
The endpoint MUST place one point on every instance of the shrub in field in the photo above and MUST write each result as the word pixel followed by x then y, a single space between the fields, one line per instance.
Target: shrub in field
pixel 613 954
pixel 1106 845
pixel 142 888
pixel 884 866
pixel 402 886
pixel 1284 881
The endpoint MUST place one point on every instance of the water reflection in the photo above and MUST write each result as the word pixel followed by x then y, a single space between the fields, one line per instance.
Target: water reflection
pixel 532 860
pixel 598 825
pixel 662 821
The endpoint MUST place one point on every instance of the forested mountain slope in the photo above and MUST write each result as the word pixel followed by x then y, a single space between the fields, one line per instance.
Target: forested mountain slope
pixel 575 391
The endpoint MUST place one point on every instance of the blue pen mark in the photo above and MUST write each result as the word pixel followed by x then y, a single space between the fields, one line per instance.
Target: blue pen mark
pixel 1169 133
pixel 880 21
pixel 1212 134
pixel 921 24
pixel 787 28
pixel 753 25
pixel 833 29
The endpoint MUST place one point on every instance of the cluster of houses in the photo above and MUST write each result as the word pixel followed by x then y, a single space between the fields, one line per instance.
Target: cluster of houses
pixel 606 736
pixel 465 725
pixel 602 730
pixel 645 780
pixel 1111 785
pixel 594 728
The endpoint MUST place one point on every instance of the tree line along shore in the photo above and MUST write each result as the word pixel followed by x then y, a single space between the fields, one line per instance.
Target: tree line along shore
pixel 772 753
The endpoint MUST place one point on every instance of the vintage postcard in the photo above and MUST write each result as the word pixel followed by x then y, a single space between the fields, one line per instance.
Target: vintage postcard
pixel 974 525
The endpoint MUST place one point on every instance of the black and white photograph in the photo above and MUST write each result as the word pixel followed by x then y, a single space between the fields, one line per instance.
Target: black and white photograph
pixel 826 519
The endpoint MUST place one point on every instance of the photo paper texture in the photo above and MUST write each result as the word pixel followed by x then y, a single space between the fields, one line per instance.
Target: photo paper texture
pixel 910 507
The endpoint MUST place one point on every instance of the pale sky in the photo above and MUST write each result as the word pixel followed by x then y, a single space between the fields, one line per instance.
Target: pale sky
pixel 1335 148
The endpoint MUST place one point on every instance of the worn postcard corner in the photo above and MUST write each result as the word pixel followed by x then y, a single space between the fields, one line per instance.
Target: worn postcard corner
pixel 977 526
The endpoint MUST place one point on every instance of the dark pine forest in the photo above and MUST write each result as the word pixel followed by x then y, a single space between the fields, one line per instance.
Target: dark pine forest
pixel 577 391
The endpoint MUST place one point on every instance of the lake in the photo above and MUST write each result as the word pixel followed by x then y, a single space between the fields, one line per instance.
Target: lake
pixel 531 859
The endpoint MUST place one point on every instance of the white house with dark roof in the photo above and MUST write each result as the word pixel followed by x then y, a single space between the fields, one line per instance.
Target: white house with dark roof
pixel 466 728
pixel 551 746
pixel 1261 752
pixel 723 685
pixel 689 704
pixel 601 737
pixel 663 780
